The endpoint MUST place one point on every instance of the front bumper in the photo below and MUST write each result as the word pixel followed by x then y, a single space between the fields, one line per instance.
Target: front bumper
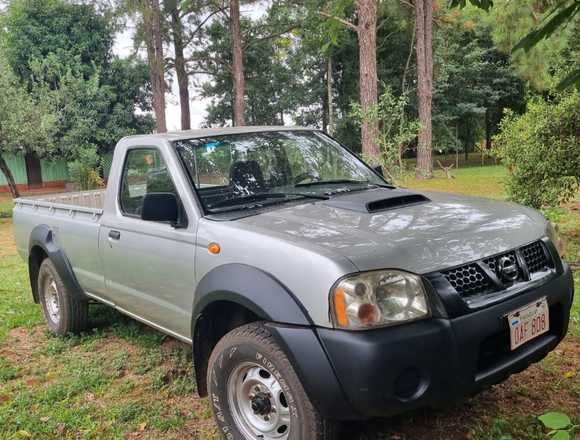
pixel 357 375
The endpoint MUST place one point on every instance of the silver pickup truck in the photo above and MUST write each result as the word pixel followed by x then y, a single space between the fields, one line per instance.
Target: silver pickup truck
pixel 312 290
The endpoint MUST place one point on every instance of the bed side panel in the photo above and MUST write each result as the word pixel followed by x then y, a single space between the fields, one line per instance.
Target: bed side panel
pixel 75 231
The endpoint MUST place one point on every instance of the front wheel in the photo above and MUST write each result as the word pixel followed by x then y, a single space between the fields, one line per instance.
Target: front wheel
pixel 255 392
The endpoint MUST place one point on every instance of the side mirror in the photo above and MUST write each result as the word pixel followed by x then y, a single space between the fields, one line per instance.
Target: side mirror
pixel 160 207
pixel 379 170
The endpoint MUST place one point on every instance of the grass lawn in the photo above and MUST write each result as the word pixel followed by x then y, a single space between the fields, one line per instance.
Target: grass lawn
pixel 476 181
pixel 124 380
pixel 5 207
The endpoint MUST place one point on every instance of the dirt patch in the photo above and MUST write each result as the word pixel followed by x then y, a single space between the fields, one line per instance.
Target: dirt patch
pixel 20 345
pixel 7 244
pixel 170 344
pixel 200 425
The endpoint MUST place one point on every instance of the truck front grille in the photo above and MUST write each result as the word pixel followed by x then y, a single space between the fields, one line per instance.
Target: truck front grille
pixel 486 275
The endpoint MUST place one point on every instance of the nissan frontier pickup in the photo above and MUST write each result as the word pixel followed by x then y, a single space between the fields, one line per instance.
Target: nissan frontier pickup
pixel 311 290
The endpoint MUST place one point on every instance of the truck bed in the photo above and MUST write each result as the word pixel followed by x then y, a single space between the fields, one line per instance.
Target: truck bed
pixel 79 200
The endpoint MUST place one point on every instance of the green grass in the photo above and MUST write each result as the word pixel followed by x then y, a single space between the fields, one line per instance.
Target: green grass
pixel 89 385
pixel 476 181
pixel 5 207
pixel 123 380
pixel 15 297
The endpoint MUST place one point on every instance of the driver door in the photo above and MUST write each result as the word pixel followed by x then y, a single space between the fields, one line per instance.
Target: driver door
pixel 149 266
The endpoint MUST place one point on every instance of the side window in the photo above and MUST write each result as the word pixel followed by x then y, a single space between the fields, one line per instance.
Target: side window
pixel 144 173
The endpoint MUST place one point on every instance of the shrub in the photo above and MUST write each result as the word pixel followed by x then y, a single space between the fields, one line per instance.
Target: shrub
pixel 85 171
pixel 541 149
pixel 396 131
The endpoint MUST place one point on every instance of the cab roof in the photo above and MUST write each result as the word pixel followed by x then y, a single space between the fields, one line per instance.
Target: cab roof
pixel 207 132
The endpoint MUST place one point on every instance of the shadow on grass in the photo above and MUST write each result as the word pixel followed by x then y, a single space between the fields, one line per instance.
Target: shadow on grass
pixel 103 318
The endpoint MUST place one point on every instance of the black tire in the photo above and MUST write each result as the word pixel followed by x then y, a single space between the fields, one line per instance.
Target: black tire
pixel 73 313
pixel 254 344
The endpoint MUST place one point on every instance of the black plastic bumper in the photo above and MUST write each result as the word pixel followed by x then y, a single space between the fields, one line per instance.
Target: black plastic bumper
pixel 358 375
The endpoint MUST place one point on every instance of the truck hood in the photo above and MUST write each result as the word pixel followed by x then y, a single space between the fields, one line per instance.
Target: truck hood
pixel 422 236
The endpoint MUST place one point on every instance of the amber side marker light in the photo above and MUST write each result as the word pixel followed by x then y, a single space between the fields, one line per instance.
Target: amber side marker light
pixel 340 308
pixel 213 248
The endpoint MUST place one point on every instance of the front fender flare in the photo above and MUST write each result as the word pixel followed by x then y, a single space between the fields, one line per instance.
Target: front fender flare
pixel 252 288
pixel 248 287
pixel 43 237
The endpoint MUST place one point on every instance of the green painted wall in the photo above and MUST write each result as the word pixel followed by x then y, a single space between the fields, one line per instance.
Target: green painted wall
pixel 54 171
pixel 18 168
pixel 51 170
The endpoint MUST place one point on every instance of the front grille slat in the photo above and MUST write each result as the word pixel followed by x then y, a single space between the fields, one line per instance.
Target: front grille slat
pixel 535 257
pixel 470 279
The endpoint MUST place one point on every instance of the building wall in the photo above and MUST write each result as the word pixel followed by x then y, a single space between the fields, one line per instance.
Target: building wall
pixel 18 168
pixel 54 173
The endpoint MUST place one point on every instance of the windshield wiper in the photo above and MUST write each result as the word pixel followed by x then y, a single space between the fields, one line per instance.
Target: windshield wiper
pixel 246 201
pixel 368 184
pixel 333 182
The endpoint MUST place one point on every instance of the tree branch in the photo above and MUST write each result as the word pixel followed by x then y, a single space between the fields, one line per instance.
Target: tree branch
pixel 267 37
pixel 210 58
pixel 201 72
pixel 346 23
pixel 205 20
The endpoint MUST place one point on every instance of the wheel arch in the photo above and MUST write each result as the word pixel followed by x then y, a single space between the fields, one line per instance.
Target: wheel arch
pixel 232 295
pixel 42 245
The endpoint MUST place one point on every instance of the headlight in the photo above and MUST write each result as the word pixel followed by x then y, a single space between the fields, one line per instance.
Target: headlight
pixel 378 299
pixel 554 236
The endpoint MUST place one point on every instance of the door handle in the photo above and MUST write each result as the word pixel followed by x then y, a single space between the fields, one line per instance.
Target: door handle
pixel 114 235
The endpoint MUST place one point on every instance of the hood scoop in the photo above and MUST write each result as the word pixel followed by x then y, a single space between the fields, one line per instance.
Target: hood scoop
pixel 376 200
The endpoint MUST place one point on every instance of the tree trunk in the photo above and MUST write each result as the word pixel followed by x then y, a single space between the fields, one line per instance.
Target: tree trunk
pixel 330 128
pixel 424 49
pixel 367 42
pixel 325 115
pixel 154 42
pixel 9 178
pixel 408 63
pixel 487 130
pixel 180 70
pixel 467 141
pixel 237 63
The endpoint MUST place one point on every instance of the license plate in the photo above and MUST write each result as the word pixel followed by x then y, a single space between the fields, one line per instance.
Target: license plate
pixel 528 323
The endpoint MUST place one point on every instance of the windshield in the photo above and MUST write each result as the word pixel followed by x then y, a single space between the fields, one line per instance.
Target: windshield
pixel 248 171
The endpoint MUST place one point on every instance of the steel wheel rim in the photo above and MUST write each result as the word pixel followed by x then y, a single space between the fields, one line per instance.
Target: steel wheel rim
pixel 258 403
pixel 51 299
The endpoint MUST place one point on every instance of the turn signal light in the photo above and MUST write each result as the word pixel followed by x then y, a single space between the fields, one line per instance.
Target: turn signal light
pixel 340 308
pixel 214 248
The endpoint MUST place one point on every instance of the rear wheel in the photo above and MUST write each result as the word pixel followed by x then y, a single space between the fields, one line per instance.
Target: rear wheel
pixel 255 392
pixel 63 311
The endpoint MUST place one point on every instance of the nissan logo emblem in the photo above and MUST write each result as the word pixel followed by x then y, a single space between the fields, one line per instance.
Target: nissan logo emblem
pixel 508 269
